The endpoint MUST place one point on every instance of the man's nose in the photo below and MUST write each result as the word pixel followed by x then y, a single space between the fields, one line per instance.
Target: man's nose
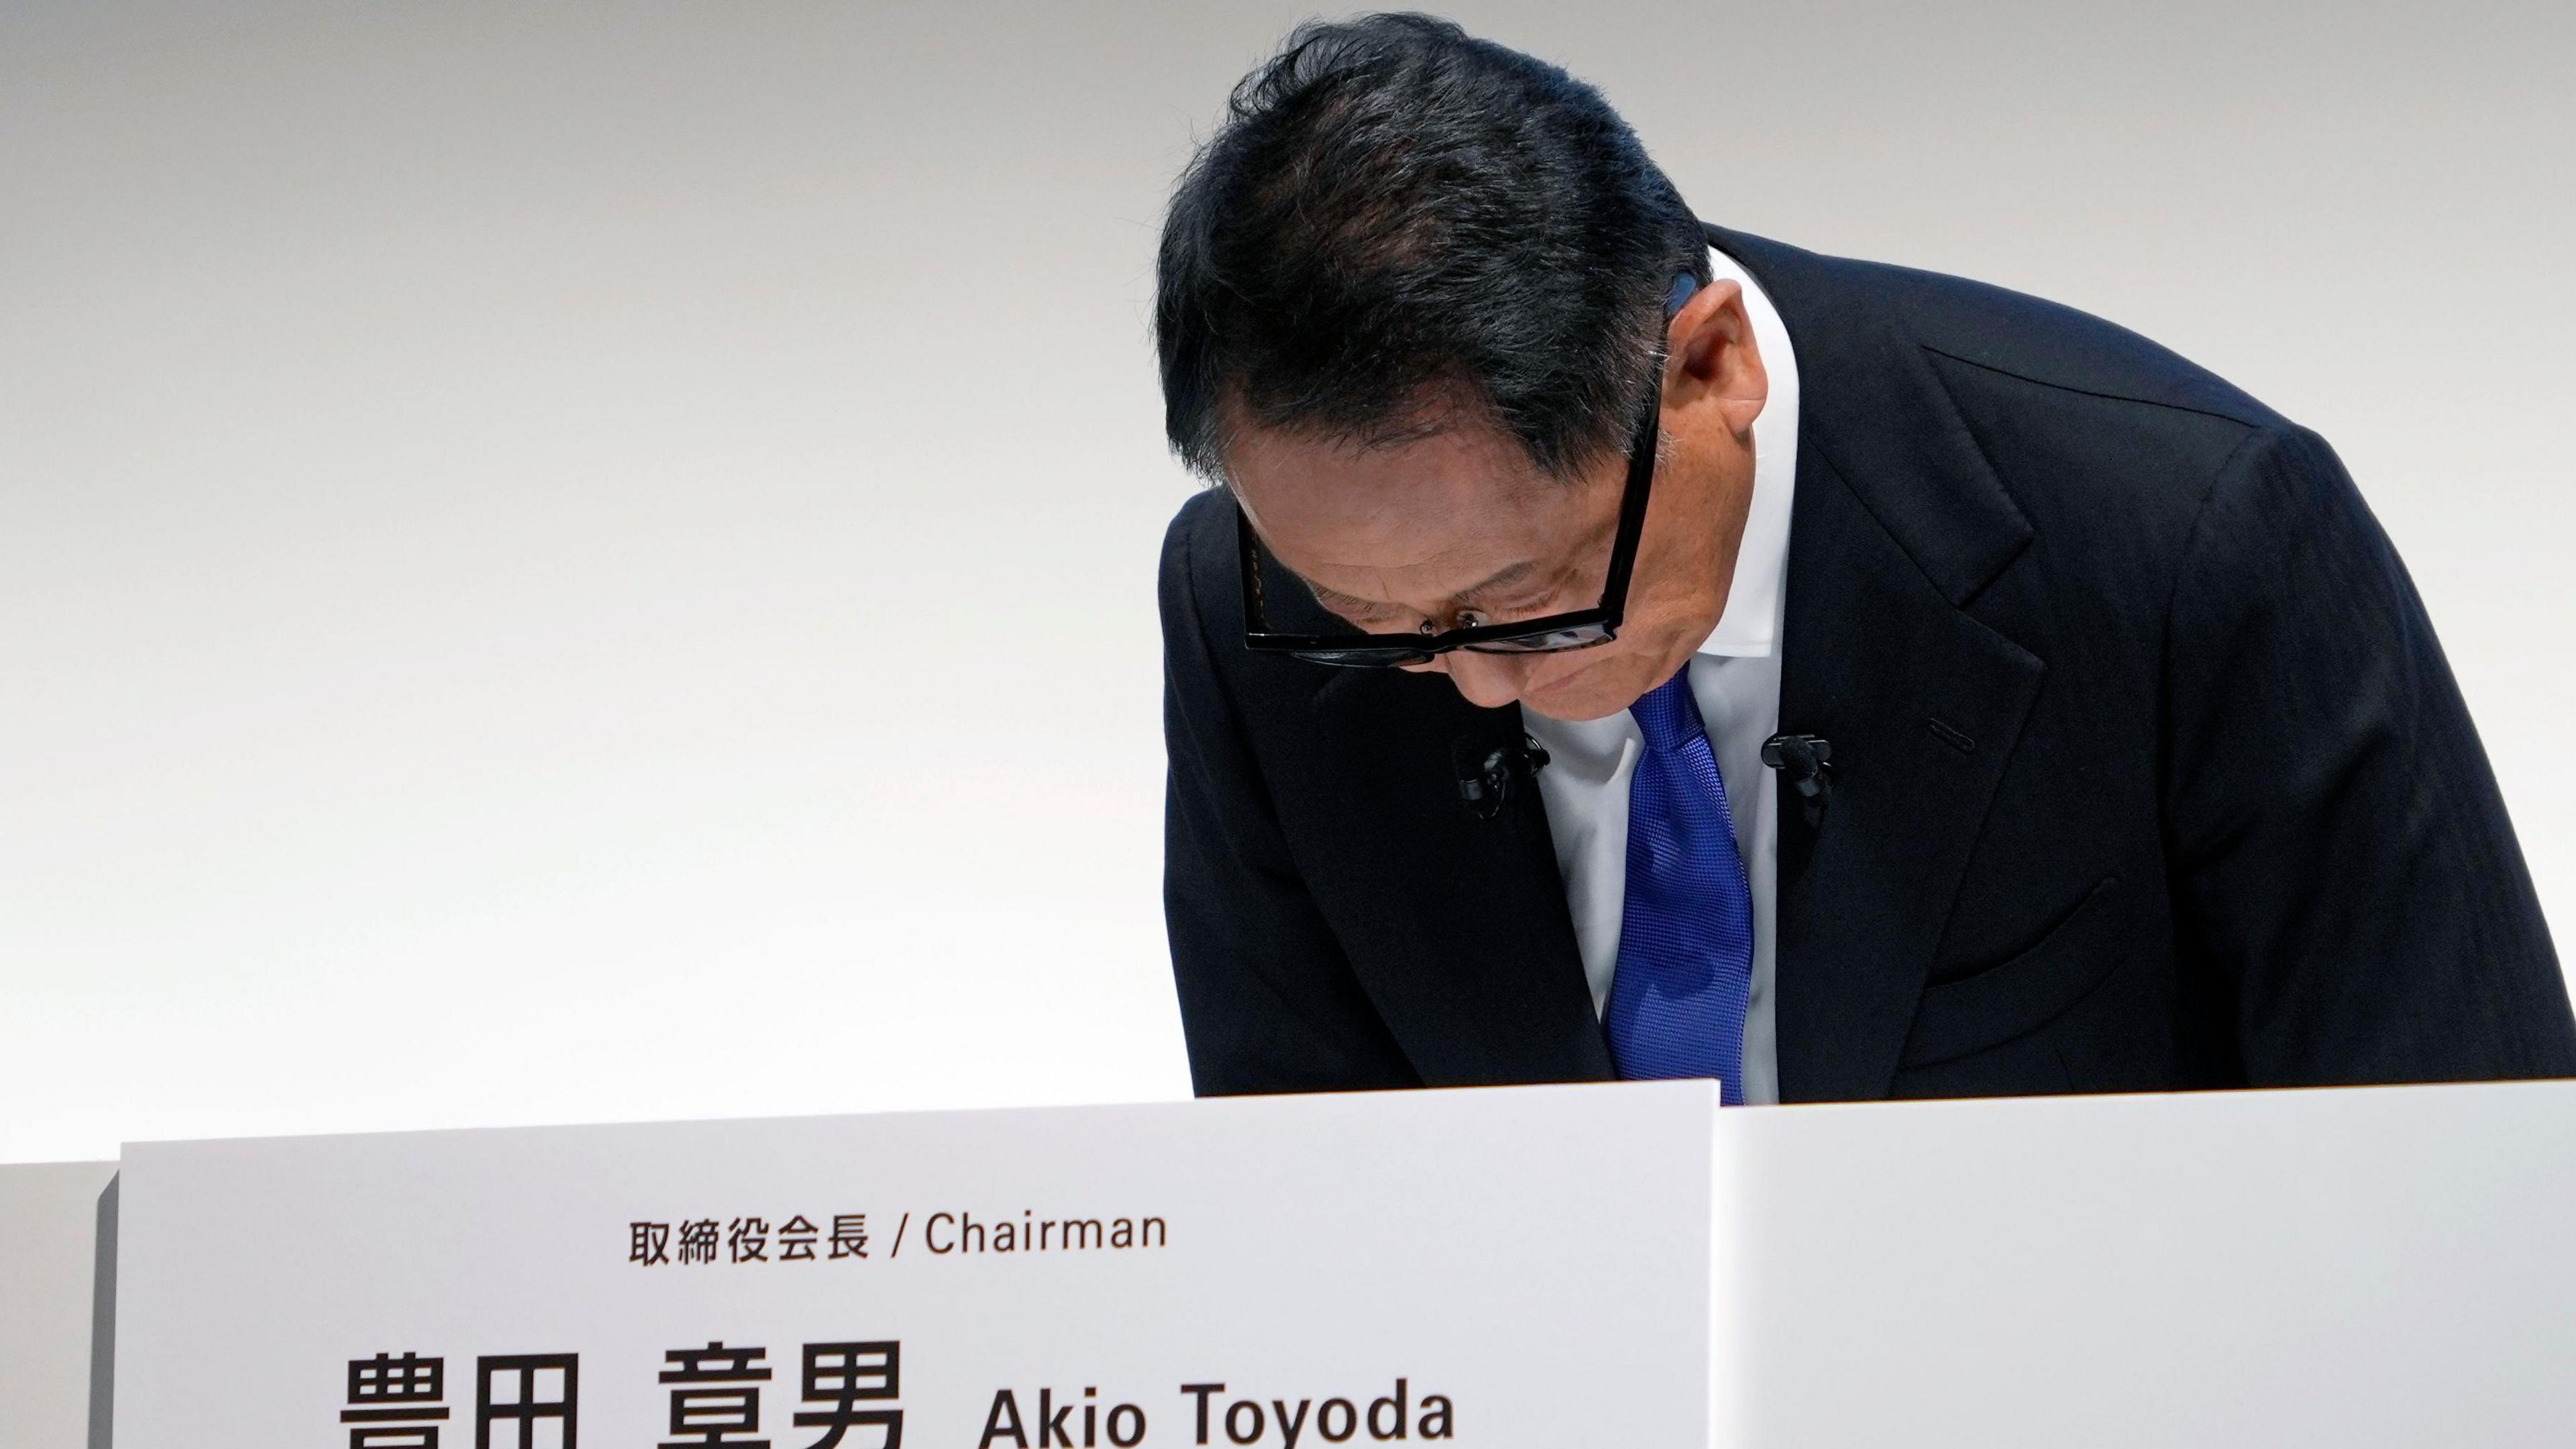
pixel 1489 681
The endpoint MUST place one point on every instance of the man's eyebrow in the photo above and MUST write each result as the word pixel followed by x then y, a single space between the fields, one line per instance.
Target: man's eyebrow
pixel 1335 598
pixel 1500 579
pixel 1342 603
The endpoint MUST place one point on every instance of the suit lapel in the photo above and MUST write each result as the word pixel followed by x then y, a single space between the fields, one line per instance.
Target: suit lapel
pixel 1456 926
pixel 1923 705
pixel 1897 526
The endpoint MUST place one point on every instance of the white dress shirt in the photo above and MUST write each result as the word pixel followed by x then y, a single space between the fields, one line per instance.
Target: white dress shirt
pixel 1735 677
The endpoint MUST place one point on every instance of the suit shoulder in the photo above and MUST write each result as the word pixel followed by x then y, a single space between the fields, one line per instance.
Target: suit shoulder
pixel 1201 517
pixel 1197 545
pixel 2110 445
pixel 2051 345
pixel 2067 406
pixel 2089 425
pixel 2040 342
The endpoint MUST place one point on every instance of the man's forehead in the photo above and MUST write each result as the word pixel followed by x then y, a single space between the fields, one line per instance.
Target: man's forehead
pixel 1296 481
pixel 1433 548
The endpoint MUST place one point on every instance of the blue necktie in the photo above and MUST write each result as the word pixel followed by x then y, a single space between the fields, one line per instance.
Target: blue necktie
pixel 1686 930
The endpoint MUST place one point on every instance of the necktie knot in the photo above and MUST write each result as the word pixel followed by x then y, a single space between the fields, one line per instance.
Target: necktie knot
pixel 1668 716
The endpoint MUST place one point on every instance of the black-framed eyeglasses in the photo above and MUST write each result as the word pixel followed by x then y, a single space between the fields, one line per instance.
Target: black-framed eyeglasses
pixel 1579 629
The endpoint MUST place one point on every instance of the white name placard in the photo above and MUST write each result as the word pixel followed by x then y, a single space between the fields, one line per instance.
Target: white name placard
pixel 1494 1268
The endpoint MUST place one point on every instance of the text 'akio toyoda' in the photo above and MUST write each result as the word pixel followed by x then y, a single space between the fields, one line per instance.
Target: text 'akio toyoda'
pixel 1048 1421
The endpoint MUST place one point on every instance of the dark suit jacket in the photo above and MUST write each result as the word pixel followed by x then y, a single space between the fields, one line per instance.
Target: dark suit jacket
pixel 2148 771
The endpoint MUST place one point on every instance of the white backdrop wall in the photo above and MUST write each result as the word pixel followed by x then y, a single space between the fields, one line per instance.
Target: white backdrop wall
pixel 595 561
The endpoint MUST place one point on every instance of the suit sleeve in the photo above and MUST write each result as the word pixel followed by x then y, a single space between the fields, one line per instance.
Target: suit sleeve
pixel 2342 858
pixel 1268 1000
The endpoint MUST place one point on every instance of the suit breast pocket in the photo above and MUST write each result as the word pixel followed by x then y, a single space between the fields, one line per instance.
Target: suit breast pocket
pixel 2018 996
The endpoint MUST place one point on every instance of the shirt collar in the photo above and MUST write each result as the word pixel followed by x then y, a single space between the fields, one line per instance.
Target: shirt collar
pixel 1750 627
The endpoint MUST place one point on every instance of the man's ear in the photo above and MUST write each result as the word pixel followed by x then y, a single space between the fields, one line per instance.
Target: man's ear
pixel 1711 359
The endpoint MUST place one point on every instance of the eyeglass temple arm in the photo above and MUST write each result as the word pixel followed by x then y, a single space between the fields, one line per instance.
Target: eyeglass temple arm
pixel 1641 469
